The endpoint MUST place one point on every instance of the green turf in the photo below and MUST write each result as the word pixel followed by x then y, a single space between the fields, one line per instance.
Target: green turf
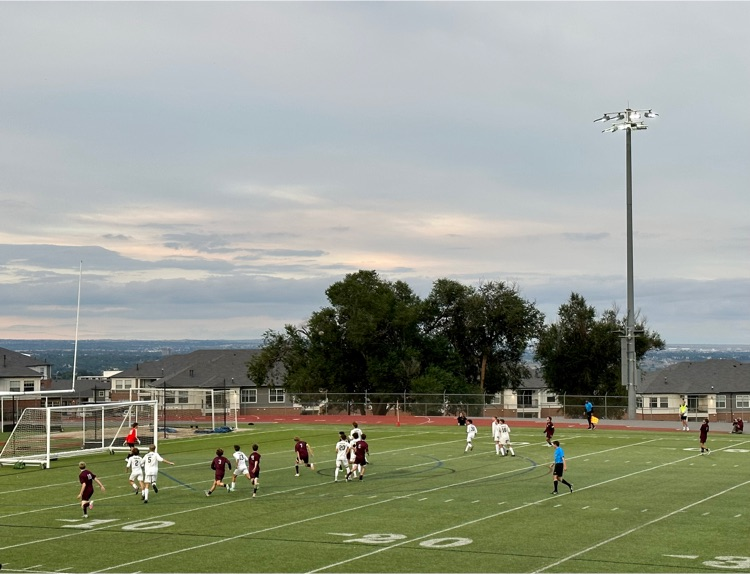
pixel 643 502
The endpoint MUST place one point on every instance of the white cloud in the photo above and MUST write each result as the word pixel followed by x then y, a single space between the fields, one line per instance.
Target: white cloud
pixel 218 165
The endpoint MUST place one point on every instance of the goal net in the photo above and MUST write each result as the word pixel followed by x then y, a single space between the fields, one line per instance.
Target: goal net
pixel 44 434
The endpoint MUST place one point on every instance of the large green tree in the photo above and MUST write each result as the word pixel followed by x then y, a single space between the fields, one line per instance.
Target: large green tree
pixel 487 329
pixel 580 354
pixel 378 337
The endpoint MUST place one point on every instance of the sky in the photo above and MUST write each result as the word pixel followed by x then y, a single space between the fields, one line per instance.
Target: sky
pixel 213 167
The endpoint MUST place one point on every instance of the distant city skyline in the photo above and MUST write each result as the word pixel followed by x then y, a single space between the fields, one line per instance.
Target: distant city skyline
pixel 217 166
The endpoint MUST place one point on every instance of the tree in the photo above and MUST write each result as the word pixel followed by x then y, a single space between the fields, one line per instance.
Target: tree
pixel 581 355
pixel 487 330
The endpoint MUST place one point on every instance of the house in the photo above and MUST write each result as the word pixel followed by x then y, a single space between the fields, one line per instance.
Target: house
pixel 717 389
pixel 197 383
pixel 20 373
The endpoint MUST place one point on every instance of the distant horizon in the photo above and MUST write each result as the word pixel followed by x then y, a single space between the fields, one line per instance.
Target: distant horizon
pixel 260 339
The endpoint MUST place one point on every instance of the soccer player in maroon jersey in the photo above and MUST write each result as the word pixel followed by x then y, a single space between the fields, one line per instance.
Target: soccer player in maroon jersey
pixel 219 465
pixel 361 450
pixel 87 480
pixel 704 436
pixel 549 430
pixel 302 451
pixel 254 468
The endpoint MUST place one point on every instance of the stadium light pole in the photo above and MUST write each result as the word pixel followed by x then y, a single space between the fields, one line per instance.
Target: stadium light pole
pixel 627 121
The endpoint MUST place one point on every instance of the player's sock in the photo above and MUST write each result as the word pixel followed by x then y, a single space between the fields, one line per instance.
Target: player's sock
pixel 512 452
pixel 156 490
pixel 145 494
pixel 554 482
pixel 502 451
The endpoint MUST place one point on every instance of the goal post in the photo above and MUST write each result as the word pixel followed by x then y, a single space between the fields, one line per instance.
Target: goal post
pixel 44 434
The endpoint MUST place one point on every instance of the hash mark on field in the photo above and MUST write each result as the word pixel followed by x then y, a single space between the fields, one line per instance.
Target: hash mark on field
pixel 688 556
pixel 738 515
pixel 421 499
pixel 449 500
pixel 615 508
pixel 474 501
pixel 557 505
pixel 705 514
pixel 373 496
pixel 627 461
pixel 644 510
pixel 501 502
pixel 585 507
pixel 340 534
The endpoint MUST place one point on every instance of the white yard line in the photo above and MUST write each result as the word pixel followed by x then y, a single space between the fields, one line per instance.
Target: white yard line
pixel 636 528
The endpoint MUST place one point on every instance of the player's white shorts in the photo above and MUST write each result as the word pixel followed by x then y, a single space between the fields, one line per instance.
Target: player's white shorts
pixel 470 436
pixel 342 460
pixel 150 478
pixel 136 476
pixel 239 471
pixel 504 438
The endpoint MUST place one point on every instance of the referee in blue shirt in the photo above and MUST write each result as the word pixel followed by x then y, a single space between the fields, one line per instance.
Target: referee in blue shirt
pixel 559 466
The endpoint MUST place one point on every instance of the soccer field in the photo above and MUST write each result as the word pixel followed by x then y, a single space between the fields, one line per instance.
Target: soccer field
pixel 642 502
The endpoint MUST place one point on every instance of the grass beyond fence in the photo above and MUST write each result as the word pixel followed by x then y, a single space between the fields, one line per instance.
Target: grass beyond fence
pixel 643 502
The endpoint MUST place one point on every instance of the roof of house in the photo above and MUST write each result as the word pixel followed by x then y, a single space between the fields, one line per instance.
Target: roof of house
pixel 14 364
pixel 714 376
pixel 210 369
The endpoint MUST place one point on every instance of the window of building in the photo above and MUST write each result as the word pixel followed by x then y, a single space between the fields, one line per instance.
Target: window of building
pixel 658 402
pixel 721 401
pixel 742 401
pixel 639 402
pixel 15 386
pixel 276 395
pixel 100 394
pixel 551 398
pixel 182 397
pixel 169 397
pixel 28 386
pixel 525 397
pixel 248 395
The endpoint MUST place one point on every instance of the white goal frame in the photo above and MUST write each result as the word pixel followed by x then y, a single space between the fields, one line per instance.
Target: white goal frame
pixel 44 434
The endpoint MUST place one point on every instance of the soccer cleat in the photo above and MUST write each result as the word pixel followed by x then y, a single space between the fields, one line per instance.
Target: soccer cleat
pixel 85 515
pixel 155 489
pixel 571 489
pixel 312 466
pixel 555 492
pixel 361 477
pixel 297 474
pixel 208 493
pixel 227 487
pixel 253 495
pixel 145 501
pixel 91 504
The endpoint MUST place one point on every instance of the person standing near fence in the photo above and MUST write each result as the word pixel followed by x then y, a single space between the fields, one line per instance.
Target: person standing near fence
pixel 684 415
pixel 589 409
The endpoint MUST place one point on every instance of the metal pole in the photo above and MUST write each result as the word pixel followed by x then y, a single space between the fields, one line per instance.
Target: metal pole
pixel 164 382
pixel 630 326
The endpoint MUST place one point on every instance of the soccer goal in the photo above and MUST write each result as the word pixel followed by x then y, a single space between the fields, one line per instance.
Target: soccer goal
pixel 45 434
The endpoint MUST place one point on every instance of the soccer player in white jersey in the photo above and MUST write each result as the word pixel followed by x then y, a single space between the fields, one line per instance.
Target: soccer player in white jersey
pixel 151 470
pixel 135 464
pixel 342 456
pixel 356 433
pixel 496 434
pixel 471 432
pixel 240 467
pixel 352 457
pixel 505 439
